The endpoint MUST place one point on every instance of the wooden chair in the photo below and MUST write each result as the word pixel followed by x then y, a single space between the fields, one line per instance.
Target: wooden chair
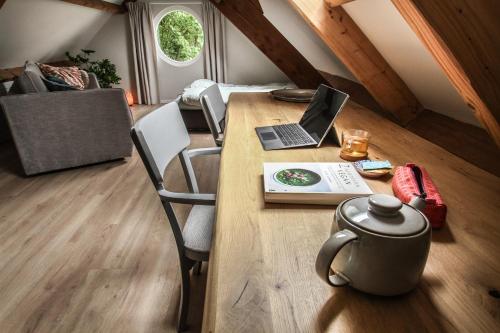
pixel 159 137
pixel 214 109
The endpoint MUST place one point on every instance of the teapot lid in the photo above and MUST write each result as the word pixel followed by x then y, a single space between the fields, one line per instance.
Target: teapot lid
pixel 383 214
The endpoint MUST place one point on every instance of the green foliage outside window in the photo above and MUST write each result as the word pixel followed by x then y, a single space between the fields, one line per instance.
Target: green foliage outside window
pixel 180 36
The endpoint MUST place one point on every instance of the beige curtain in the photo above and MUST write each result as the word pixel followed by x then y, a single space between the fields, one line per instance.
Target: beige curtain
pixel 215 42
pixel 144 51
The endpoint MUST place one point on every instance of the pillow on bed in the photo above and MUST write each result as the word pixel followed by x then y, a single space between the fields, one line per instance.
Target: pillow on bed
pixel 202 83
pixel 191 94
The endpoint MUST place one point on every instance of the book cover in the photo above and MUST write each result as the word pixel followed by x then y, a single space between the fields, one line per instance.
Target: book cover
pixel 321 183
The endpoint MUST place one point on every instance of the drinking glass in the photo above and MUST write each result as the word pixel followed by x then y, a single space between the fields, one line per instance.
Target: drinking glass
pixel 354 144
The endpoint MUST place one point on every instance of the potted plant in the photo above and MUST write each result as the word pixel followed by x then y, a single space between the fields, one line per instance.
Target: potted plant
pixel 104 69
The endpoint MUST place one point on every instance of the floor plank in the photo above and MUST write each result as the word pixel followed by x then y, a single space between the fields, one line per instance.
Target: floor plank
pixel 90 249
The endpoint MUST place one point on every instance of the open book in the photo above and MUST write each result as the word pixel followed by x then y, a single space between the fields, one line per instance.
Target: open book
pixel 312 183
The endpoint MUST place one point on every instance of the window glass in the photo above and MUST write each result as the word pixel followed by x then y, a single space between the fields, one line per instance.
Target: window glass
pixel 180 36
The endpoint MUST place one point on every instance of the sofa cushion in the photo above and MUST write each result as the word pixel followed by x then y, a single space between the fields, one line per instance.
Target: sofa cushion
pixel 32 67
pixel 34 75
pixel 30 80
pixel 70 75
pixel 85 78
pixel 3 89
pixel 56 84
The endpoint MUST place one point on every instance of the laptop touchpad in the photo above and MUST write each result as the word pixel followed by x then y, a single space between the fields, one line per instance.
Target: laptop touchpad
pixel 268 136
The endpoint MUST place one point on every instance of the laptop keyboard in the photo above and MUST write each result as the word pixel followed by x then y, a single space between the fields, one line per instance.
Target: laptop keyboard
pixel 292 135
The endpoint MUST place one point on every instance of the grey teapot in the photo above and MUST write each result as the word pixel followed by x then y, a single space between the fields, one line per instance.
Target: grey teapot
pixel 386 244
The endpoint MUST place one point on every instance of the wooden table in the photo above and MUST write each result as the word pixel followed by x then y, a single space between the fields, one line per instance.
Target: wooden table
pixel 261 272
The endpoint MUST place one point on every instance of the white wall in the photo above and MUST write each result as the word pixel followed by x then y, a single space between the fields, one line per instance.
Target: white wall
pixel 42 30
pixel 246 64
pixel 291 25
pixel 399 45
pixel 113 42
pixel 172 79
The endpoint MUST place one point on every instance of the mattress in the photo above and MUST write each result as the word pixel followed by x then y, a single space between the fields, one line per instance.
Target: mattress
pixel 191 95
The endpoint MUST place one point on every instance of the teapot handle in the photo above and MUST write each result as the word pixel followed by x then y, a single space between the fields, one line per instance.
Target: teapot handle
pixel 328 252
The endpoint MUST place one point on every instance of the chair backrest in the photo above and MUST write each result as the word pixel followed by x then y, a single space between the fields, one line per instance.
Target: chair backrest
pixel 213 107
pixel 159 137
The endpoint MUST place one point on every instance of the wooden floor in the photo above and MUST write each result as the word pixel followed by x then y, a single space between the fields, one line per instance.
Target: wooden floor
pixel 90 249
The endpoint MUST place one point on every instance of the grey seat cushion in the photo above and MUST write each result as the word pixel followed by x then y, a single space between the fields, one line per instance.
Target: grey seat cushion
pixel 35 75
pixel 3 90
pixel 197 232
pixel 30 80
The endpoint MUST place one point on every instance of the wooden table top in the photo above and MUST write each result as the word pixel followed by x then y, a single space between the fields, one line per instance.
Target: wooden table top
pixel 261 274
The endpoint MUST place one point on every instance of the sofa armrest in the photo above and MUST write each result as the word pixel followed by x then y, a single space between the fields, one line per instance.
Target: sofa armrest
pixel 64 129
pixel 93 82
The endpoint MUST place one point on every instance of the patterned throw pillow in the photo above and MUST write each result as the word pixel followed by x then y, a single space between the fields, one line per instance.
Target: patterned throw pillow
pixel 70 75
pixel 56 84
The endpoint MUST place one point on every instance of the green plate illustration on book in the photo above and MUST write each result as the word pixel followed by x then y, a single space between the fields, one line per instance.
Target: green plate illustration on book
pixel 297 177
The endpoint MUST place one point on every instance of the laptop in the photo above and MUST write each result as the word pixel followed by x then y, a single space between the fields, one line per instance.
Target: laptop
pixel 312 129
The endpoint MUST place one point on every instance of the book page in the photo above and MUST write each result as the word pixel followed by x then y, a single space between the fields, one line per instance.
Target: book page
pixel 313 178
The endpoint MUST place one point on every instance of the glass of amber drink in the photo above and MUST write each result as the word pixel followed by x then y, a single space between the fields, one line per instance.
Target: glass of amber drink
pixel 354 144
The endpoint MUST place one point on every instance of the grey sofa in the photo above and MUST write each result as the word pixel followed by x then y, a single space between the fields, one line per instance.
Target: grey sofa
pixel 64 129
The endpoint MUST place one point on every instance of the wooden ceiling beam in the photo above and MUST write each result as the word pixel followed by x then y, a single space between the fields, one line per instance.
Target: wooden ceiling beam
pixel 335 3
pixel 341 34
pixel 99 4
pixel 458 138
pixel 463 37
pixel 10 74
pixel 250 20
pixel 357 92
pixel 256 3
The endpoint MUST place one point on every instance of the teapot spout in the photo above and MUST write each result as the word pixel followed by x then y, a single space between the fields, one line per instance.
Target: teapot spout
pixel 417 203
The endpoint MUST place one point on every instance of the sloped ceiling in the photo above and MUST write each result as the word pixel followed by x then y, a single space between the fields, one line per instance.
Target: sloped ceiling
pixel 297 31
pixel 390 34
pixel 42 30
pixel 407 55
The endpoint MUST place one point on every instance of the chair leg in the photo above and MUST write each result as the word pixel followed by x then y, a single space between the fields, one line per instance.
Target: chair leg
pixel 197 267
pixel 184 304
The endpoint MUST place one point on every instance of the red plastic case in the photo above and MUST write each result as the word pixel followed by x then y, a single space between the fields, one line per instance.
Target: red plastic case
pixel 405 187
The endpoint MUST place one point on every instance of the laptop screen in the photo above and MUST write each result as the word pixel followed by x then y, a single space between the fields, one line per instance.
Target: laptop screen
pixel 321 112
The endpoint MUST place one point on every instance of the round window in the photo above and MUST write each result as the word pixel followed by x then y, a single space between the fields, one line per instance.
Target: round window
pixel 180 37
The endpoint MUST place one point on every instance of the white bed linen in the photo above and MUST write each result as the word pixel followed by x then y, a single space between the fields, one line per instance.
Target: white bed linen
pixel 191 94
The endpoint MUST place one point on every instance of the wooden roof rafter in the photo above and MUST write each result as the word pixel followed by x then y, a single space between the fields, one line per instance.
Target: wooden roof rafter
pixel 335 3
pixel 248 17
pixel 256 3
pixel 100 5
pixel 463 38
pixel 10 74
pixel 348 42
